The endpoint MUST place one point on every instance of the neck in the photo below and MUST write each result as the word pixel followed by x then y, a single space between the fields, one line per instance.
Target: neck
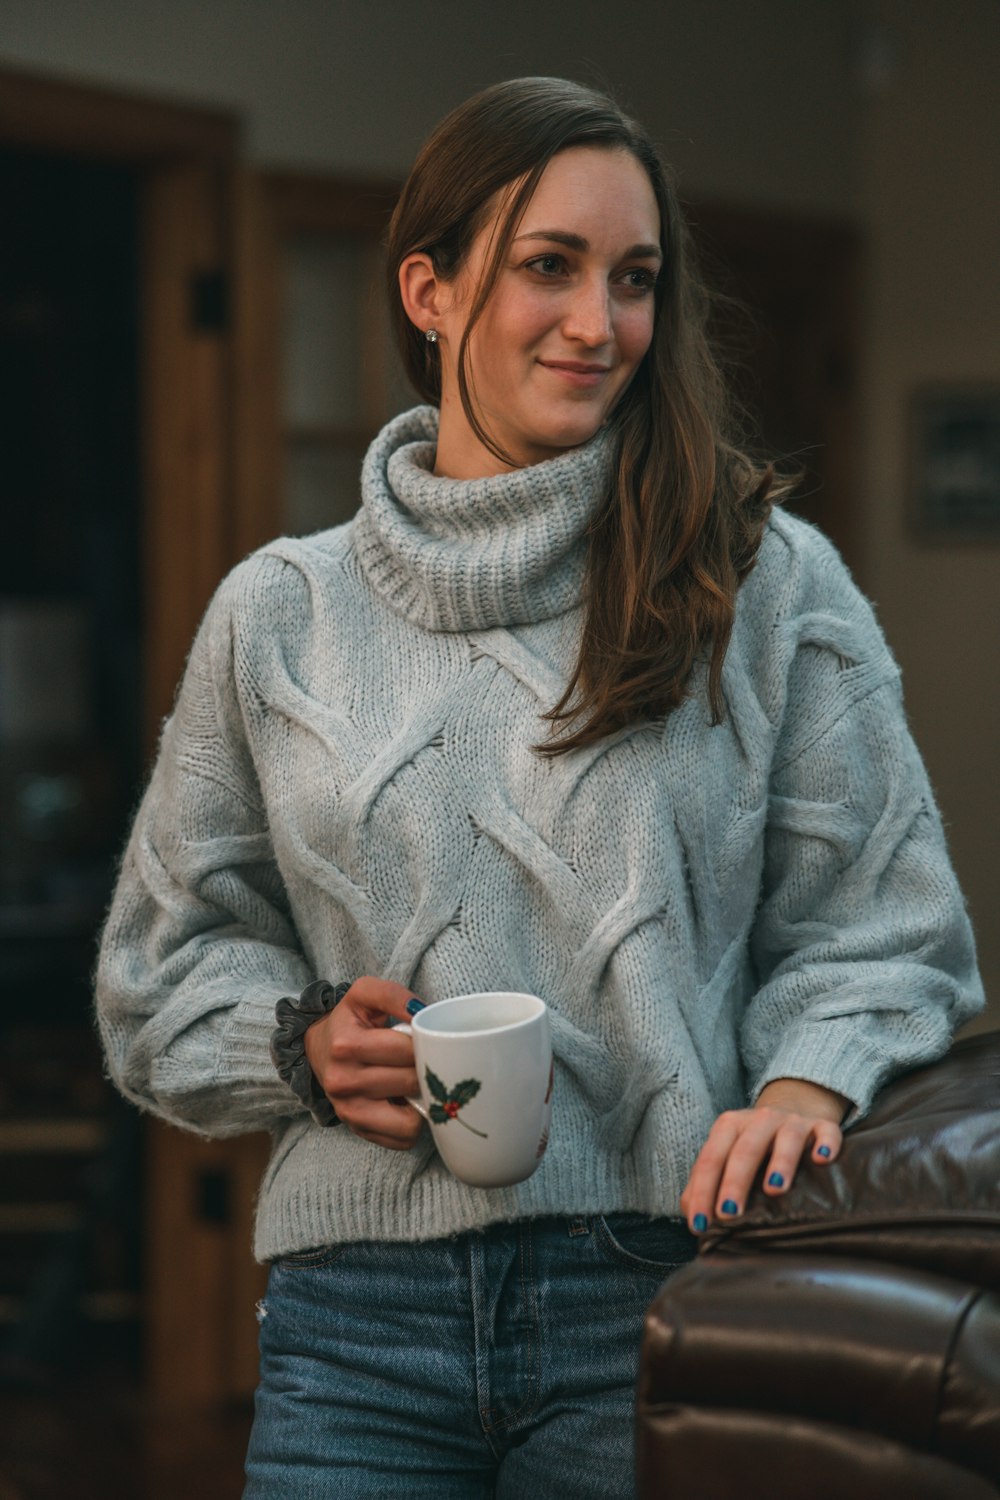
pixel 461 453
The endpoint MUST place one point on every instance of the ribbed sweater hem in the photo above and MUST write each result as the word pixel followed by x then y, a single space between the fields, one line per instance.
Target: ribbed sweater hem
pixel 398 1208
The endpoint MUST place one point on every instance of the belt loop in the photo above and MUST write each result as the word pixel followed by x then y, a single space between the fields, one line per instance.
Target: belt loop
pixel 579 1225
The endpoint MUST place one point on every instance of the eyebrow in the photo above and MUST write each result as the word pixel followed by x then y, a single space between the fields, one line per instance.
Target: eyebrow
pixel 577 242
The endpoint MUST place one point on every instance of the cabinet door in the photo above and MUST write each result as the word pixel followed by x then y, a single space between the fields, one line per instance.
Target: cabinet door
pixel 317 333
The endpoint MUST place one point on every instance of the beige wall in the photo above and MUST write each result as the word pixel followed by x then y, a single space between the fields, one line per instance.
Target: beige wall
pixel 930 201
pixel 881 110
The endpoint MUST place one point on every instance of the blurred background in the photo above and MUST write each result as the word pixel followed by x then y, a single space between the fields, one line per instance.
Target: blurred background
pixel 193 356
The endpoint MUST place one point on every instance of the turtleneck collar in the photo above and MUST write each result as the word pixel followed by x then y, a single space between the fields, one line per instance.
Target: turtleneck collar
pixel 470 554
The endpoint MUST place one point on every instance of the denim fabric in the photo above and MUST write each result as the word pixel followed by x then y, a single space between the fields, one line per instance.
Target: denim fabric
pixel 497 1363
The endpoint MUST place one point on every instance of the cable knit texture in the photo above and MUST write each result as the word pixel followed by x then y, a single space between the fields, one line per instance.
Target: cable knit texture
pixel 347 786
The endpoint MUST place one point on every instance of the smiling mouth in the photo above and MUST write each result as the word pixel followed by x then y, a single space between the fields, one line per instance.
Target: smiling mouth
pixel 574 373
pixel 574 367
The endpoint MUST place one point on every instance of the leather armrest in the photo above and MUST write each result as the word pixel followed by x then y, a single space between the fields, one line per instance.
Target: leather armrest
pixel 917 1181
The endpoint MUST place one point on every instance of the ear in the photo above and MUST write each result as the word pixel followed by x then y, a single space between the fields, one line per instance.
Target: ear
pixel 424 295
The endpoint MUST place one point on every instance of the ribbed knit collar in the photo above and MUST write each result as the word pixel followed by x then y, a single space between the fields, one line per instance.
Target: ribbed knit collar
pixel 456 554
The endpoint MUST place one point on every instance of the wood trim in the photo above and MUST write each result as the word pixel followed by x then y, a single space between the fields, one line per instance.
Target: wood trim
pixel 45 113
pixel 257 448
pixel 270 209
pixel 203 1282
pixel 248 1158
pixel 304 203
pixel 186 409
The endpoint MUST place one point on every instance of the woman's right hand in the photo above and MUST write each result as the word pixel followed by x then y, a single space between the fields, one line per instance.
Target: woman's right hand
pixel 364 1067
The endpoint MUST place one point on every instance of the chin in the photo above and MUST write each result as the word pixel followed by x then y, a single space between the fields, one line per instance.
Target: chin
pixel 571 432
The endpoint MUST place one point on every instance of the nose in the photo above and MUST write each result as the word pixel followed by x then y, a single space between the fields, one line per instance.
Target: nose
pixel 588 316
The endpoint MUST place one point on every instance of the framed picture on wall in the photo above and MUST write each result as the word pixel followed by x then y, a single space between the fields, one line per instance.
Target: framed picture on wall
pixel 955 462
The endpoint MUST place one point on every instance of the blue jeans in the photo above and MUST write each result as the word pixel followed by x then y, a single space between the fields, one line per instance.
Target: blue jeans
pixel 499 1363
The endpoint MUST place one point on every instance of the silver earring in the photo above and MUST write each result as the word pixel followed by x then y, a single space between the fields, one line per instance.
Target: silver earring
pixel 431 335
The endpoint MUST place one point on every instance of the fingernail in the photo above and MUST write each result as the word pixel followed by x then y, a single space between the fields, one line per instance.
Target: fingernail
pixel 699 1223
pixel 729 1207
pixel 822 1151
pixel 414 1006
pixel 775 1180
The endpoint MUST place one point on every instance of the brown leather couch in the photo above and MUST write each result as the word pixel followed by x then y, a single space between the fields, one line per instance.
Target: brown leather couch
pixel 842 1342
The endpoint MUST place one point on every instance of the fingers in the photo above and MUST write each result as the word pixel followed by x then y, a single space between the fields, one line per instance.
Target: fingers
pixel 370 1000
pixel 827 1141
pixel 360 1072
pixel 738 1145
pixel 384 1048
pixel 370 1083
pixel 822 1140
pixel 790 1140
pixel 394 1126
pixel 362 1064
pixel 355 1036
pixel 699 1197
pixel 349 1059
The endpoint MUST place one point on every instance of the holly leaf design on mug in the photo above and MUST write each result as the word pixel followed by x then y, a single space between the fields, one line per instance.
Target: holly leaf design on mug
pixel 450 1101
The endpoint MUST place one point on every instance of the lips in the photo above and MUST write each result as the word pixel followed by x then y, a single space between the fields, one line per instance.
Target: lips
pixel 575 367
pixel 575 373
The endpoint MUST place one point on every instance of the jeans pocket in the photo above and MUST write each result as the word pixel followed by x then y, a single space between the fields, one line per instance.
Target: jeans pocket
pixel 655 1246
pixel 310 1260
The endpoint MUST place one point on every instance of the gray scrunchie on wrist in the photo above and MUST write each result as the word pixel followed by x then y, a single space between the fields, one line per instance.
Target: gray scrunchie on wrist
pixel 288 1047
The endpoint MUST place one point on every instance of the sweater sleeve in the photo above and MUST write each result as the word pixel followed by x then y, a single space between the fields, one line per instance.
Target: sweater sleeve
pixel 199 943
pixel 862 946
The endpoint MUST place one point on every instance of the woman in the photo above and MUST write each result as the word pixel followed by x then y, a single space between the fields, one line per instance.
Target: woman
pixel 566 709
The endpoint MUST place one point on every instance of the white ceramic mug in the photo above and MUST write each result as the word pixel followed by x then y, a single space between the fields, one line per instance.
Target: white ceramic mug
pixel 485 1067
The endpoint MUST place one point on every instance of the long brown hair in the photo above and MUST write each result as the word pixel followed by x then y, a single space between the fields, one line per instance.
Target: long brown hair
pixel 683 519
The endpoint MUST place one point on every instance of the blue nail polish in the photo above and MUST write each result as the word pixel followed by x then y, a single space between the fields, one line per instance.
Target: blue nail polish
pixel 699 1223
pixel 414 1006
pixel 775 1180
pixel 729 1207
pixel 822 1151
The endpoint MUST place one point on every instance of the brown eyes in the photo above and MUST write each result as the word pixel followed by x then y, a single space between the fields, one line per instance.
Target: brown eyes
pixel 546 265
pixel 637 279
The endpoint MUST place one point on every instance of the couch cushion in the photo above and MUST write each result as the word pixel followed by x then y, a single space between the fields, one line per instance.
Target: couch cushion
pixel 744 1456
pixel 906 1357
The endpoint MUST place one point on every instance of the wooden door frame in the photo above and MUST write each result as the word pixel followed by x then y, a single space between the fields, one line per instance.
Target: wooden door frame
pixel 47 114
pixel 161 140
pixel 199 1280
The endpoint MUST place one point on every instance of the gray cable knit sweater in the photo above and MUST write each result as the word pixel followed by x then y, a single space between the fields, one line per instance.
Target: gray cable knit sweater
pixel 347 787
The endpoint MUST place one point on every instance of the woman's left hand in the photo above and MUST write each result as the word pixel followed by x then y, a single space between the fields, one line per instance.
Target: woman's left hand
pixel 789 1117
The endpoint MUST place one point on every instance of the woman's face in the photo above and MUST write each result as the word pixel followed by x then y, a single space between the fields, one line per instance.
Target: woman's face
pixel 568 321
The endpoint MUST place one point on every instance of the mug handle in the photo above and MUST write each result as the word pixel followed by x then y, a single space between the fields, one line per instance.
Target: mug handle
pixel 404 1029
